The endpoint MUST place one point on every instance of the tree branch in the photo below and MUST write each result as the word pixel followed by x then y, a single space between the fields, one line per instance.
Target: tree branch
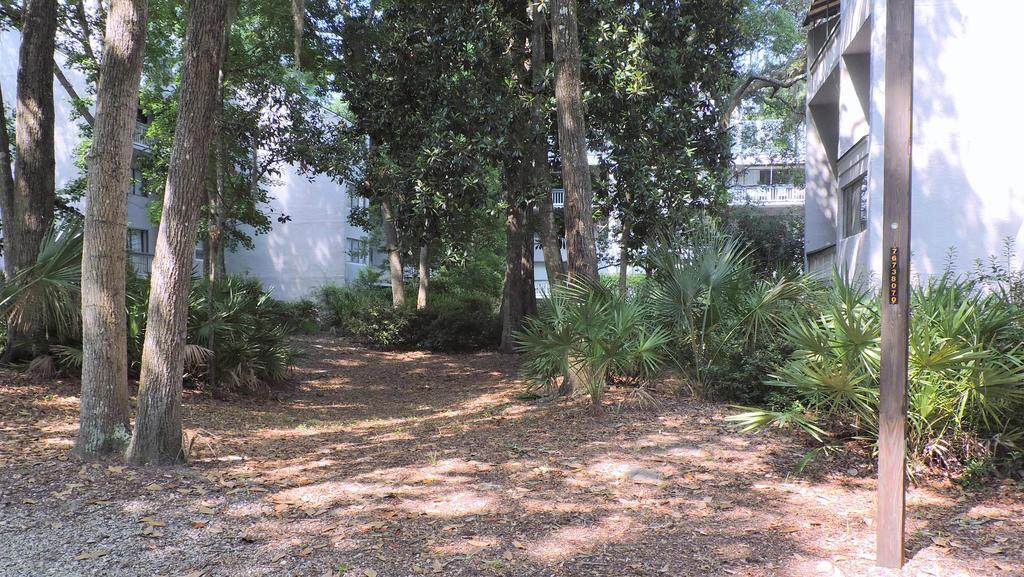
pixel 76 100
pixel 754 83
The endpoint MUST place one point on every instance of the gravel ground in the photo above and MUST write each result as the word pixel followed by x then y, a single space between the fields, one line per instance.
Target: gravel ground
pixel 394 465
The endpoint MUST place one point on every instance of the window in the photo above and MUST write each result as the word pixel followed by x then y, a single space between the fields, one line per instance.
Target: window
pixel 357 251
pixel 764 177
pixel 138 241
pixel 138 187
pixel 855 206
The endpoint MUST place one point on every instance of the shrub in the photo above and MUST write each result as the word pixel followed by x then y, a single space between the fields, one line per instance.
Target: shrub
pixel 450 324
pixel 301 316
pixel 458 325
pixel 380 325
pixel 719 313
pixel 966 371
pixel 251 341
pixel 337 305
pixel 588 335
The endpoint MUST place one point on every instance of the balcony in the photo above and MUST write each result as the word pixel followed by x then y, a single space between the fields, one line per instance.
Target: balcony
pixel 139 138
pixel 558 197
pixel 768 195
pixel 141 263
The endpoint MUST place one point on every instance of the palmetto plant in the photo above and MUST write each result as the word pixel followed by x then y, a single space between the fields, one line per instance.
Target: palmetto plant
pixel 966 370
pixel 589 334
pixel 706 294
pixel 45 298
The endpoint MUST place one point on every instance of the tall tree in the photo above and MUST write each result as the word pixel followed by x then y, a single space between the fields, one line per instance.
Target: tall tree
pixel 104 424
pixel 660 71
pixel 541 174
pixel 157 435
pixel 30 213
pixel 572 143
pixel 6 174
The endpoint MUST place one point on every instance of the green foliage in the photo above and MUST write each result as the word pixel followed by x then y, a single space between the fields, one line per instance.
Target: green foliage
pixel 656 75
pixel 336 304
pixel 966 370
pixel 380 325
pixel 251 339
pixel 450 324
pixel 45 298
pixel 776 240
pixel 717 309
pixel 301 316
pixel 592 335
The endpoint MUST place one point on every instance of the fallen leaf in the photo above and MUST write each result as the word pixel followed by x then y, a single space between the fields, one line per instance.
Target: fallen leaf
pixel 153 487
pixel 206 510
pixel 369 573
pixel 92 554
pixel 992 550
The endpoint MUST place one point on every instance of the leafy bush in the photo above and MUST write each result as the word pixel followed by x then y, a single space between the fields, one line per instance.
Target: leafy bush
pixel 588 335
pixel 449 324
pixel 718 311
pixel 337 305
pixel 457 325
pixel 966 371
pixel 301 316
pixel 251 348
pixel 380 325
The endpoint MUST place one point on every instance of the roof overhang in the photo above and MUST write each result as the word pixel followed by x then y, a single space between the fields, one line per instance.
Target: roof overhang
pixel 821 9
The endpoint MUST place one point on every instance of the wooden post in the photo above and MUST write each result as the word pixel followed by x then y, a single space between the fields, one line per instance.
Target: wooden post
pixel 892 418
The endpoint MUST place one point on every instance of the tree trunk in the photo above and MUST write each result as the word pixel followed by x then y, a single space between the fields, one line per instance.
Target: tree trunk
pixel 298 24
pixel 105 423
pixel 572 143
pixel 549 242
pixel 421 296
pixel 6 182
pixel 512 293
pixel 31 210
pixel 624 257
pixel 529 286
pixel 394 255
pixel 157 436
pixel 214 242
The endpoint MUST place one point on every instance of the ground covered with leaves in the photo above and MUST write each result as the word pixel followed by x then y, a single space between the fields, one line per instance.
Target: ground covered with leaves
pixel 399 464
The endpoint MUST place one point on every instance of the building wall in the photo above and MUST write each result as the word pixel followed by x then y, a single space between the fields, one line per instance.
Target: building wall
pixel 965 194
pixel 311 249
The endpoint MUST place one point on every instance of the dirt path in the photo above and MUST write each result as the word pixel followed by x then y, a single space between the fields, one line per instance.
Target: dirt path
pixel 392 465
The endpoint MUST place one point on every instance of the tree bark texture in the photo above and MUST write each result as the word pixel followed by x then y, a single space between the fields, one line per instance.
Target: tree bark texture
pixel 624 257
pixel 424 290
pixel 572 143
pixel 105 423
pixel 6 179
pixel 394 254
pixel 31 210
pixel 157 435
pixel 298 25
pixel 545 223
pixel 512 292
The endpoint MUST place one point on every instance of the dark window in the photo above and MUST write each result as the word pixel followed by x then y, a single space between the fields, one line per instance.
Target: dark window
pixel 855 206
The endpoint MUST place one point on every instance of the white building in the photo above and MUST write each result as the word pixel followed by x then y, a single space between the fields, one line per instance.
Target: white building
pixel 315 247
pixel 764 175
pixel 965 194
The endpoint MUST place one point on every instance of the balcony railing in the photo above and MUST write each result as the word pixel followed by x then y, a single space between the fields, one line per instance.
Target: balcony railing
pixel 768 195
pixel 141 263
pixel 139 137
pixel 558 197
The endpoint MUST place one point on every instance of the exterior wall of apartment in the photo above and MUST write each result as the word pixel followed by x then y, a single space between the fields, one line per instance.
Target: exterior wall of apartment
pixel 312 248
pixel 965 197
pixel 294 259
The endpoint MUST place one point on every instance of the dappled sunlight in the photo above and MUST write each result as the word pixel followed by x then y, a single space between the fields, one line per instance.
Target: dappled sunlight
pixel 578 538
pixel 454 472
